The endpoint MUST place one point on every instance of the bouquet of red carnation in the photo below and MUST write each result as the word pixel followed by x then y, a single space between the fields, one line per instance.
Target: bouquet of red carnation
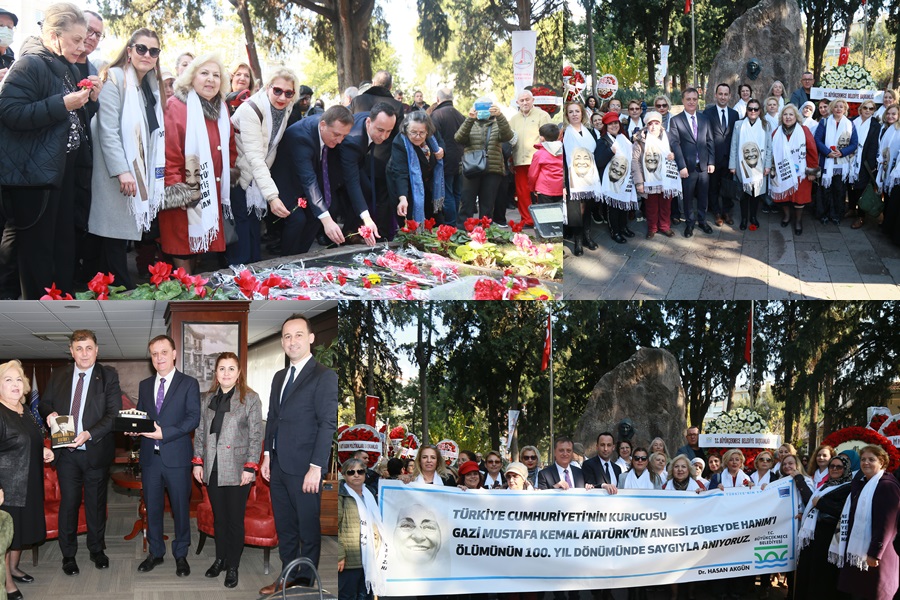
pixel 877 421
pixel 359 437
pixel 449 451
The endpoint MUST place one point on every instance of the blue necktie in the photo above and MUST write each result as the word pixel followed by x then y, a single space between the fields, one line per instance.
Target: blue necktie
pixel 290 382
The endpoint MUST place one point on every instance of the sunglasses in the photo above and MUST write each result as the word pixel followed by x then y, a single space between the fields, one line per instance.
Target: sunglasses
pixel 639 458
pixel 765 460
pixel 752 109
pixel 287 93
pixel 529 458
pixel 836 466
pixel 493 462
pixel 661 105
pixel 142 50
pixel 352 472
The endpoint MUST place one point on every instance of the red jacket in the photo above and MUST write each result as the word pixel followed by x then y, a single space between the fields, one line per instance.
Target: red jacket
pixel 545 175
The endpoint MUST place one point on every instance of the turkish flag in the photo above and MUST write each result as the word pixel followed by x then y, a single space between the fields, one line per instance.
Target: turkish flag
pixel 748 347
pixel 687 6
pixel 548 343
pixel 371 409
pixel 844 56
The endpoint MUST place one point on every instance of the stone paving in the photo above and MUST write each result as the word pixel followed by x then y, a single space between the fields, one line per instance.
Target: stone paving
pixel 825 262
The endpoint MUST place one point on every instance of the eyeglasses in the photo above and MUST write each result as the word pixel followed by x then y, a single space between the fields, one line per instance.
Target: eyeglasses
pixel 529 458
pixel 661 105
pixel 287 93
pixel 764 459
pixel 142 50
pixel 493 462
pixel 99 35
pixel 752 109
pixel 352 472
pixel 836 466
pixel 634 108
pixel 639 458
pixel 416 134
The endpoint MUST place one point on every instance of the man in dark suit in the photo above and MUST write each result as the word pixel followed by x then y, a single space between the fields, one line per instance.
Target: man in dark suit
pixel 299 171
pixel 690 137
pixel 721 119
pixel 601 471
pixel 561 475
pixel 172 400
pixel 90 393
pixel 447 120
pixel 370 129
pixel 301 422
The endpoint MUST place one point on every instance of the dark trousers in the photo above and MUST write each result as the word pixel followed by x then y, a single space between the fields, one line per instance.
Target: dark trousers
pixel 296 518
pixel 107 255
pixel 696 190
pixel 545 199
pixel 749 206
pixel 719 205
pixel 75 474
pixel 247 248
pixel 484 189
pixel 352 584
pixel 299 232
pixel 831 200
pixel 452 192
pixel 10 288
pixel 229 504
pixel 45 234
pixel 177 480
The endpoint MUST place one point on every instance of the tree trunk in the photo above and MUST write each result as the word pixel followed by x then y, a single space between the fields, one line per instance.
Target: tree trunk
pixel 351 41
pixel 523 12
pixel 895 78
pixel 243 12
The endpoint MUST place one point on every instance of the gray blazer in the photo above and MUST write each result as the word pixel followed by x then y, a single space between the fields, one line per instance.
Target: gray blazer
pixel 239 443
pixel 110 213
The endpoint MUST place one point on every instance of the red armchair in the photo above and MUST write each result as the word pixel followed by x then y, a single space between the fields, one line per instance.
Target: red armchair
pixel 259 522
pixel 51 509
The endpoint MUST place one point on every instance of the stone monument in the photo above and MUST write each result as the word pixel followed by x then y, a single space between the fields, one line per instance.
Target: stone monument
pixel 646 389
pixel 771 32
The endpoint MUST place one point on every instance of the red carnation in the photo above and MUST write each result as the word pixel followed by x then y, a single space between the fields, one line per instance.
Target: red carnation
pixel 301 202
pixel 86 84
pixel 365 232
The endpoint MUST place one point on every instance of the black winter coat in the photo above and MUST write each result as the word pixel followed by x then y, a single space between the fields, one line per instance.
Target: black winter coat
pixel 34 122
pixel 447 120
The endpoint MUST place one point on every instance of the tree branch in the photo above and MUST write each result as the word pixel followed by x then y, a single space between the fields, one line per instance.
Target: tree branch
pixel 319 9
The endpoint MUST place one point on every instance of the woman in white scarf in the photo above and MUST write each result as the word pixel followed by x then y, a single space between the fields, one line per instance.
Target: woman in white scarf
pixel 807 110
pixel 865 159
pixel 362 547
pixel 655 175
pixel 129 153
pixel 888 99
pixel 888 181
pixel 259 124
pixel 763 474
pixel 683 476
pixel 864 545
pixel 745 93
pixel 616 185
pixel 582 177
pixel 640 476
pixel 777 91
pixel 751 160
pixel 200 156
pixel 837 141
pixel 733 475
pixel 772 112
pixel 795 160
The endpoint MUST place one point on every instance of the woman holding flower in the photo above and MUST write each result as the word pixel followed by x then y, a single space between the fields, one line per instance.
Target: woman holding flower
pixel 44 111
pixel 415 171
pixel 837 141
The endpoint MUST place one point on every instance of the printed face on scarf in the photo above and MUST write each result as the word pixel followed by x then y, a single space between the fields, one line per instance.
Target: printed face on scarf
pixel 192 175
pixel 418 535
pixel 582 162
pixel 618 166
pixel 651 160
pixel 844 140
pixel 751 154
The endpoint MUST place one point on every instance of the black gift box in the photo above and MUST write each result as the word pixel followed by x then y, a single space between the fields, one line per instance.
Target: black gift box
pixel 133 425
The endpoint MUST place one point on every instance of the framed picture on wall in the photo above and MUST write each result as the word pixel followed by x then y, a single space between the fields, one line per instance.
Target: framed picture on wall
pixel 202 343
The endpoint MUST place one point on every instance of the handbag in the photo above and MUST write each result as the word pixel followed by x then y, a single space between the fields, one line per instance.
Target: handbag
pixel 731 188
pixel 870 202
pixel 475 162
pixel 230 231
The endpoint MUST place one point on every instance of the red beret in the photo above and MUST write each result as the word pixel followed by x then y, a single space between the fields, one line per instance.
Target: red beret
pixel 610 117
pixel 467 467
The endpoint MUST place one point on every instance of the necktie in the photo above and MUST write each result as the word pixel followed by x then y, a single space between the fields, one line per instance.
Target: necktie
pixel 724 122
pixel 326 183
pixel 160 394
pixel 606 468
pixel 568 479
pixel 290 381
pixel 76 401
pixel 694 125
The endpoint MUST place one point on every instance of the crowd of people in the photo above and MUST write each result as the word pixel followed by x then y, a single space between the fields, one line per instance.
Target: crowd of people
pixel 762 151
pixel 231 446
pixel 99 161
pixel 857 561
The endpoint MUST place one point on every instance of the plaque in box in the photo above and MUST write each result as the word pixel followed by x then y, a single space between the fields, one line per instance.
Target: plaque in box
pixel 133 421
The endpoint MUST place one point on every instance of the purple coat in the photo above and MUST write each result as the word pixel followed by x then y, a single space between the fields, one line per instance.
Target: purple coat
pixel 882 582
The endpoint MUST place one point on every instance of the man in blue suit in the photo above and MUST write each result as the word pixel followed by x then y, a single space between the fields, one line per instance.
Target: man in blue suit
pixel 360 169
pixel 308 166
pixel 301 422
pixel 172 400
pixel 721 120
pixel 690 137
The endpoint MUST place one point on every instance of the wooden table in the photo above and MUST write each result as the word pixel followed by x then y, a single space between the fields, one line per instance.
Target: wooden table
pixel 130 481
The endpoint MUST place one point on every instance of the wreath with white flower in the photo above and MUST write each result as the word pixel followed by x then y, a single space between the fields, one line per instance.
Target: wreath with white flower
pixel 848 77
pixel 738 420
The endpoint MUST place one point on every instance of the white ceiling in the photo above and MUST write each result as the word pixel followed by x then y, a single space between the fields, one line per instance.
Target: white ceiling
pixel 123 328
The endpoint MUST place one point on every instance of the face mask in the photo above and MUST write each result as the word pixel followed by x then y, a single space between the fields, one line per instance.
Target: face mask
pixel 483 115
pixel 6 36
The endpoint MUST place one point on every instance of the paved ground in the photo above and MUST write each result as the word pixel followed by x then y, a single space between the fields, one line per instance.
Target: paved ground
pixel 772 263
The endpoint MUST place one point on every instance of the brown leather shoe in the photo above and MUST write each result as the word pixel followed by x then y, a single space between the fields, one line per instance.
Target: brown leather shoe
pixel 272 589
pixel 668 233
pixel 719 220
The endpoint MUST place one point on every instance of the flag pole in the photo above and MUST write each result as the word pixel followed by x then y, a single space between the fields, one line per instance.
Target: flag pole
pixel 752 394
pixel 865 31
pixel 552 437
pixel 693 45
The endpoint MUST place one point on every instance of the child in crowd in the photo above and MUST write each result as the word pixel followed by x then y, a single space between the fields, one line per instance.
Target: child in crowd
pixel 545 176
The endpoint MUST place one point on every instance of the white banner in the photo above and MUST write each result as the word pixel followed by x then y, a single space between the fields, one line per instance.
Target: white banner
pixel 664 60
pixel 849 95
pixel 512 418
pixel 448 541
pixel 557 100
pixel 523 48
pixel 740 440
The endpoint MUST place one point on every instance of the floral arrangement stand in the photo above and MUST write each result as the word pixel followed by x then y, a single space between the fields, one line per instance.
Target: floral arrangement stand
pixel 739 421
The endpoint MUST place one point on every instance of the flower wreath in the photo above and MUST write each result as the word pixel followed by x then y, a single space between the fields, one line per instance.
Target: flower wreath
pixel 866 436
pixel 740 420
pixel 359 437
pixel 449 451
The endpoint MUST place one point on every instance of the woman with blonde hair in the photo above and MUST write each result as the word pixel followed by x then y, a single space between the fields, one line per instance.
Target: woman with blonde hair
pixel 733 475
pixel 200 158
pixel 837 142
pixel 242 78
pixel 783 450
pixel 430 468
pixel 22 454
pixel 763 473
pixel 582 179
pixel 682 476
pixel 129 154
pixel 889 98
pixel 259 124
pixel 777 91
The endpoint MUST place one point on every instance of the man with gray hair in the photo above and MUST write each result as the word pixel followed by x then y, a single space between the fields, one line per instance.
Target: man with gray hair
pixel 801 94
pixel 447 121
pixel 349 94
pixel 525 124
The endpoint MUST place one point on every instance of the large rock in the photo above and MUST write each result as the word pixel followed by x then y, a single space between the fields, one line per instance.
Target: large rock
pixel 771 32
pixel 646 389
